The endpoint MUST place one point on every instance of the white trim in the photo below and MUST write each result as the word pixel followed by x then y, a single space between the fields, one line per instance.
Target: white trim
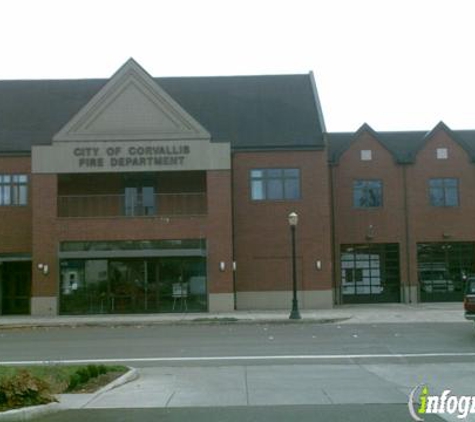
pixel 129 84
pixel 241 358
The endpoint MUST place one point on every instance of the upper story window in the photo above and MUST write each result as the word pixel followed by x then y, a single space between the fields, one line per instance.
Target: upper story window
pixel 367 193
pixel 13 189
pixel 275 184
pixel 444 192
pixel 139 195
pixel 442 153
pixel 366 155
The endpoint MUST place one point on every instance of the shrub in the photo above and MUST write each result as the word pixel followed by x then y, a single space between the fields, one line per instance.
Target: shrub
pixel 83 375
pixel 74 381
pixel 93 371
pixel 23 389
pixel 102 369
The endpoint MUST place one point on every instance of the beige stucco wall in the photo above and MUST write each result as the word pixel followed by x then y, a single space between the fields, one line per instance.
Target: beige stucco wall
pixel 309 299
pixel 133 156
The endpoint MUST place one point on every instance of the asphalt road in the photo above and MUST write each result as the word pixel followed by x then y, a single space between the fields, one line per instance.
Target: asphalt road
pixel 274 372
pixel 235 340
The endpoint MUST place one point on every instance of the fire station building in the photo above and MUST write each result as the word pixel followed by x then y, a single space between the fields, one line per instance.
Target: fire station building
pixel 138 194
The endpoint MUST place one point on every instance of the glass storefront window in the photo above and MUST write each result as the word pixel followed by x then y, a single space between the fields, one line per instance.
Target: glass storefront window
pixel 132 245
pixel 126 285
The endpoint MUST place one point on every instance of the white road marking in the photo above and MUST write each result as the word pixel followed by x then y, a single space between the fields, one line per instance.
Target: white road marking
pixel 236 358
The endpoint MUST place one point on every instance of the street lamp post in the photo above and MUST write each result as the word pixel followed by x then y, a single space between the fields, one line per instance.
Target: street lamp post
pixel 294 314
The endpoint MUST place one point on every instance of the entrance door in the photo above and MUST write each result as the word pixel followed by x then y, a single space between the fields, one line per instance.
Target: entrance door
pixel 127 284
pixel 16 288
pixel 182 284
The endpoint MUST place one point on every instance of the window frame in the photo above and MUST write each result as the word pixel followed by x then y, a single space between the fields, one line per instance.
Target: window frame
pixel 17 186
pixel 381 194
pixel 266 178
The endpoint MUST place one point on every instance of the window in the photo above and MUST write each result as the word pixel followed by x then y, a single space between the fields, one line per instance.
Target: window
pixel 353 275
pixel 442 153
pixel 275 184
pixel 139 195
pixel 367 193
pixel 444 192
pixel 139 201
pixel 366 155
pixel 13 189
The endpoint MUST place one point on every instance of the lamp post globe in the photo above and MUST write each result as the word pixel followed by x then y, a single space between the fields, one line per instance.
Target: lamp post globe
pixel 293 219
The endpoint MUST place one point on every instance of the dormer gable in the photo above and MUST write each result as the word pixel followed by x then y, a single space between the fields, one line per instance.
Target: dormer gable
pixel 452 135
pixel 347 141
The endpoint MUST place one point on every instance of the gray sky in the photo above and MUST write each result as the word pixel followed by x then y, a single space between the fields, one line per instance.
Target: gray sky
pixel 397 65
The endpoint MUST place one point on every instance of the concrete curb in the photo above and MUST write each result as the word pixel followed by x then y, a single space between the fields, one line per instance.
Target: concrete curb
pixel 33 412
pixel 129 376
pixel 29 413
pixel 197 321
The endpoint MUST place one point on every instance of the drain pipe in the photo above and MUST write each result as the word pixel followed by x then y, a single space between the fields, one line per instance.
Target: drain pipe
pixel 407 233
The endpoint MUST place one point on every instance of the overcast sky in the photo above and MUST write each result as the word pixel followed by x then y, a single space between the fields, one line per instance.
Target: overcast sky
pixel 397 65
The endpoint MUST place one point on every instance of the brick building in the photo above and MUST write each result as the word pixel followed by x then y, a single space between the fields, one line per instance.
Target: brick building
pixel 401 209
pixel 142 194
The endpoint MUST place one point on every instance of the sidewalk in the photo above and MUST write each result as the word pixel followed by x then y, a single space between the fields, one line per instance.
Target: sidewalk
pixel 344 314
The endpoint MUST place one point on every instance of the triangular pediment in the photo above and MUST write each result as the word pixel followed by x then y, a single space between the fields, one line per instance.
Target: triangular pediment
pixel 131 106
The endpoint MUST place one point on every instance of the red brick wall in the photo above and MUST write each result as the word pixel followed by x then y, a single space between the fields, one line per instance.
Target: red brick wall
pixel 261 230
pixel 50 231
pixel 45 234
pixel 352 224
pixel 219 231
pixel 388 220
pixel 428 223
pixel 425 223
pixel 15 221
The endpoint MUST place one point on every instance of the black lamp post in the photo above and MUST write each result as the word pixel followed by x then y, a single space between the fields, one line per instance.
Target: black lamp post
pixel 294 314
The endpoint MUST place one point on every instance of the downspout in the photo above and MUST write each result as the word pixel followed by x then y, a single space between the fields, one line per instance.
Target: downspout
pixel 336 297
pixel 233 264
pixel 407 233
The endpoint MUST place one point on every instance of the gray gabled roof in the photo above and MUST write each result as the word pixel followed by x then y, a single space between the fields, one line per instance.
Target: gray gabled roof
pixel 252 112
pixel 466 139
pixel 403 145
